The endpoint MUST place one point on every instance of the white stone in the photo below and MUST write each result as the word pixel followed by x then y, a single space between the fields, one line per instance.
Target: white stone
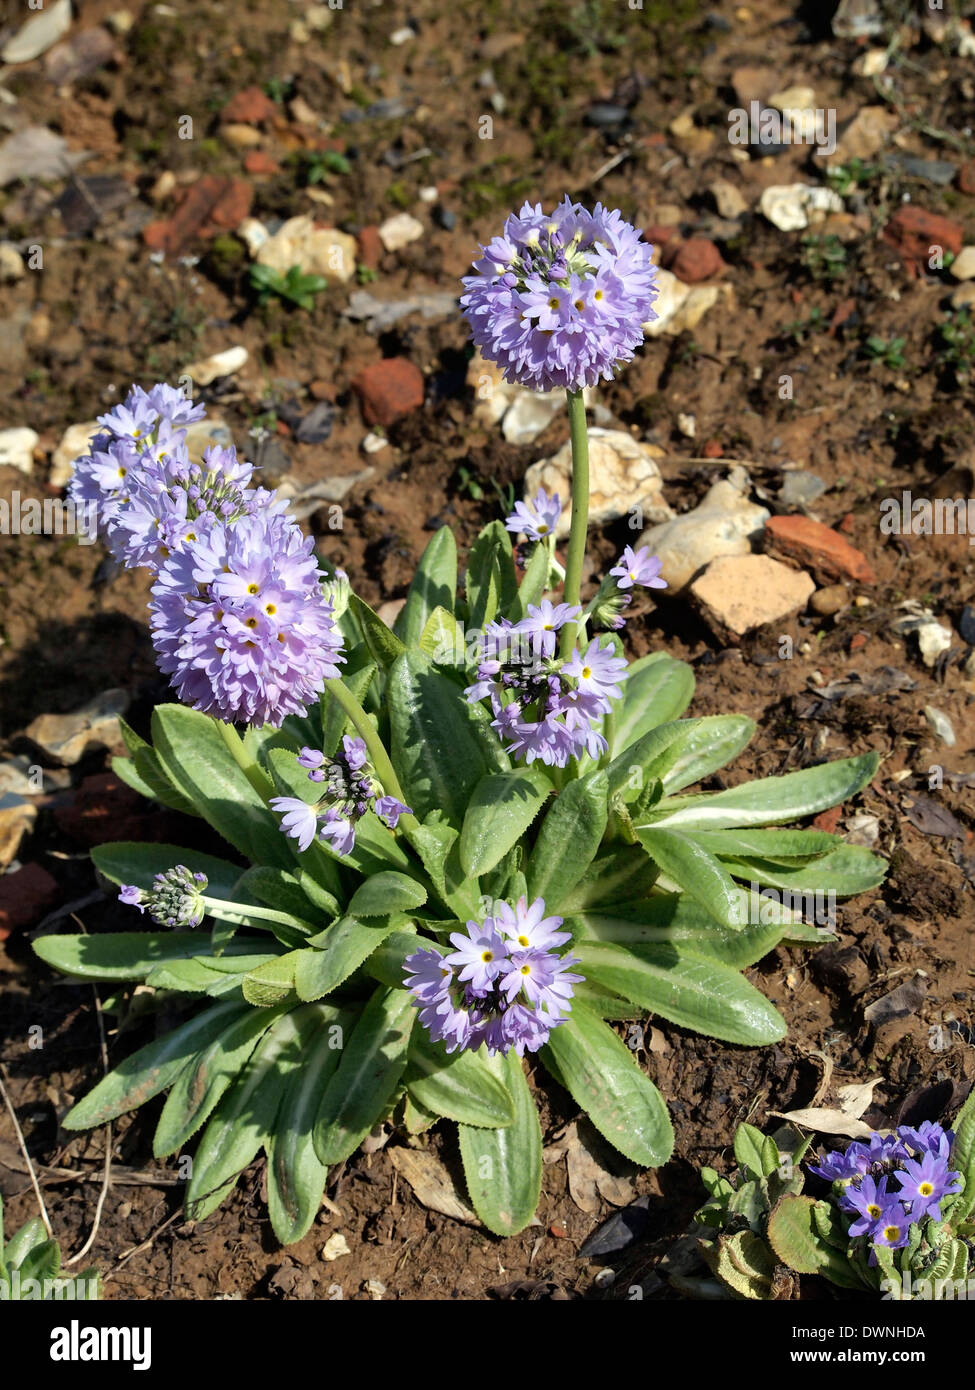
pixel 737 594
pixel 797 98
pixel 17 447
pixel 793 206
pixel 11 262
pixel 623 475
pixel 680 307
pixel 687 424
pixel 727 199
pixel 66 738
pixel 524 413
pixel 39 33
pixel 933 639
pixel 253 234
pixel 872 63
pixel 373 443
pixel 401 36
pixel 963 266
pixel 530 413
pixel 724 523
pixel 941 725
pixel 429 194
pixel 74 443
pixel 399 231
pixel 317 250
pixel 219 364
pixel 335 1247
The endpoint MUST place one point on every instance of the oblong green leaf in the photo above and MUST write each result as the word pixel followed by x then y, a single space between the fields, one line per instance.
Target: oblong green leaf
pixel 127 955
pixel 201 1084
pixel 503 1167
pixel 677 920
pixel 434 585
pixel 243 1119
pixel 150 1070
pixel 680 753
pixel 691 991
pixel 657 690
pixel 368 1073
pixel 384 646
pixel 501 809
pixel 699 873
pixel 603 1078
pixel 462 1086
pixel 387 892
pixel 568 839
pixel 437 755
pixel 295 1174
pixel 770 800
pixel 196 759
pixel 343 948
pixel 847 871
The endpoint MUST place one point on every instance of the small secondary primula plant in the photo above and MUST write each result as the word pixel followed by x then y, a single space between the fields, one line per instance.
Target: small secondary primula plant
pixel 452 843
pixel 897 1218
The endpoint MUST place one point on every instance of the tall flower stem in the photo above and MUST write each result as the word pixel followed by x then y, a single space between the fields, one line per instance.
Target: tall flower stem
pixel 366 730
pixel 580 512
pixel 247 763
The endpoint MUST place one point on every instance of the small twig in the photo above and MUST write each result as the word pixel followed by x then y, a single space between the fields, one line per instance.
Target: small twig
pixel 67 910
pixel 106 1181
pixel 23 1148
pixel 146 1244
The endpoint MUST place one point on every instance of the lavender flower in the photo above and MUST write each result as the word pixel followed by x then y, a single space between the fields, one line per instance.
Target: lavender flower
pixel 240 624
pixel 485 993
pixel 561 300
pixel 868 1202
pixel 638 567
pixel 536 518
pixel 545 708
pixel 174 900
pixel 923 1183
pixel 350 789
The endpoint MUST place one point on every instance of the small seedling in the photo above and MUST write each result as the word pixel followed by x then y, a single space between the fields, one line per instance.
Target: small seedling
pixel 296 287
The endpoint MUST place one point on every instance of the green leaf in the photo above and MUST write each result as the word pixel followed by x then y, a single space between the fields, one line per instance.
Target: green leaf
pixel 436 753
pixel 384 646
pixel 532 585
pixel 281 889
pixel 244 1118
pixel 439 849
pixel 442 640
pixel 963 1156
pixel 793 1235
pixel 656 691
pixel 847 871
pixel 434 586
pixel 272 982
pixel 31 1236
pixel 503 1167
pixel 784 847
pixel 295 1174
pixel 745 1263
pixel 385 893
pixel 201 1084
pixel 344 947
pixel 501 809
pixel 460 1087
pixel 618 875
pixel 143 771
pixel 688 990
pixel 490 583
pixel 756 1154
pixel 568 839
pixel 126 861
pixel 42 1262
pixel 335 721
pixel 603 1078
pixel 123 955
pixel 197 760
pixel 150 1070
pixel 362 1087
pixel 679 753
pixel 770 800
pixel 697 872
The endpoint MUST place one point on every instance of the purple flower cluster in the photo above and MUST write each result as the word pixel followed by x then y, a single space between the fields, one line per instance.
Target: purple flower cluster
pixel 239 619
pixel 561 300
pixel 543 707
pixel 915 1159
pixel 614 597
pixel 350 790
pixel 503 986
pixel 174 900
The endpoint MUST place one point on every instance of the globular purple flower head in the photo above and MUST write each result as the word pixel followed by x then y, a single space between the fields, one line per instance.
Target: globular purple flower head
pixel 349 789
pixel 545 708
pixel 492 990
pixel 174 900
pixel 560 300
pixel 240 623
pixel 536 518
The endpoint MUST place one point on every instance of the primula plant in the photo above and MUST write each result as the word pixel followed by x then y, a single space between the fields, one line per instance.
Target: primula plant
pixel 451 844
pixel 897 1218
pixel 30 1268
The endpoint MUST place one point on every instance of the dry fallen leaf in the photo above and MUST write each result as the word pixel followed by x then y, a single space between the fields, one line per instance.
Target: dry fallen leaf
pixel 589 1179
pixel 432 1185
pixel 853 1099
